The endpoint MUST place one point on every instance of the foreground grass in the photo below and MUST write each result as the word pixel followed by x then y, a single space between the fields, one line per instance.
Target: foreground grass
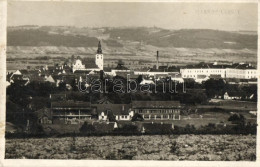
pixel 182 147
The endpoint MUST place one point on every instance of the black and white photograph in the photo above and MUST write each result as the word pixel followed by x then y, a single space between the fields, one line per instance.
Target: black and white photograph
pixel 162 81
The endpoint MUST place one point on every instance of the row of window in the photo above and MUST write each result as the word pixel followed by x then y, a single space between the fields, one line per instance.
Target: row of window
pixel 159 116
pixel 189 76
pixel 202 71
pixel 158 111
pixel 124 116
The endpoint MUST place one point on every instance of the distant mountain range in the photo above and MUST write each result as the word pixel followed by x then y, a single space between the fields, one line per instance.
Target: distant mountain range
pixel 88 37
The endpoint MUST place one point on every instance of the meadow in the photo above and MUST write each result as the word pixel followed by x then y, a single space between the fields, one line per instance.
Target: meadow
pixel 147 147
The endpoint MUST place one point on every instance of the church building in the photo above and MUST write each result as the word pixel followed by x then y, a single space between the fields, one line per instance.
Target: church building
pixel 78 65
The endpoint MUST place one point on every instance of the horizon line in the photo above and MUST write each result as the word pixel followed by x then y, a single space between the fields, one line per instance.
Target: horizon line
pixel 28 25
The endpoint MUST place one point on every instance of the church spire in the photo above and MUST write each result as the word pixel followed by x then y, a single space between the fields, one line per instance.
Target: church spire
pixel 99 51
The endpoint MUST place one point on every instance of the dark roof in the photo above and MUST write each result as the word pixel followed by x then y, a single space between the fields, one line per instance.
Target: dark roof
pixel 201 76
pixel 116 109
pixel 215 76
pixel 8 76
pixel 10 127
pixel 221 66
pixel 81 72
pixel 70 104
pixel 155 104
pixel 21 82
pixel 104 100
pixel 234 93
pixel 165 69
pixel 121 67
pixel 242 66
pixel 91 65
pixel 37 78
pixel 124 75
pixel 17 77
pixel 24 72
pixel 206 65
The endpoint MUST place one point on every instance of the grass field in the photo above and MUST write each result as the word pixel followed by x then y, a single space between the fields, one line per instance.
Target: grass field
pixel 183 147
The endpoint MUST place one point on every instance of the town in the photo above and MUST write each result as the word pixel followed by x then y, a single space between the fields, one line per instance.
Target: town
pixel 53 99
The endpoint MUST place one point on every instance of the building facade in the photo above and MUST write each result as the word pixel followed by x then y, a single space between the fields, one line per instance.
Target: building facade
pixel 158 110
pixel 236 70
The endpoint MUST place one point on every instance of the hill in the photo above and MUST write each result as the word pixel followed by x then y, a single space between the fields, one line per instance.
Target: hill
pixel 188 38
pixel 36 37
pixel 88 37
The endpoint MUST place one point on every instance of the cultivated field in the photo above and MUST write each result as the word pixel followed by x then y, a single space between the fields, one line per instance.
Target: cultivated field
pixel 183 147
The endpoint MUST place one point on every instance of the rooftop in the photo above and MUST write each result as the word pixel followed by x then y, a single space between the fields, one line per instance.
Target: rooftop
pixel 220 66
pixel 70 104
pixel 155 104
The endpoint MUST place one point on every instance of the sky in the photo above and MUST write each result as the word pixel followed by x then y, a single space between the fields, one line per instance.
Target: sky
pixel 168 15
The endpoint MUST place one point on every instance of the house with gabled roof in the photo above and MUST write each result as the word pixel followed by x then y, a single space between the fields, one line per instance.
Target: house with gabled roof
pixel 232 96
pixel 119 111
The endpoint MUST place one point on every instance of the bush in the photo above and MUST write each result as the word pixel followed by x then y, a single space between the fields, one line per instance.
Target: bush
pixel 87 128
pixel 237 119
pixel 137 117
pixel 127 129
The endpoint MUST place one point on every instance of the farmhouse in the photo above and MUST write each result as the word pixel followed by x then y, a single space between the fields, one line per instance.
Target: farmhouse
pixel 119 111
pixel 232 96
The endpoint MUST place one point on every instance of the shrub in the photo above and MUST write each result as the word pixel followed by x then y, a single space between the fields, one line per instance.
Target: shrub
pixel 127 129
pixel 137 117
pixel 237 119
pixel 87 128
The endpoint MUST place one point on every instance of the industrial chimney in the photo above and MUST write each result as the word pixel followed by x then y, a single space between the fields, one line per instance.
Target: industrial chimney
pixel 157 60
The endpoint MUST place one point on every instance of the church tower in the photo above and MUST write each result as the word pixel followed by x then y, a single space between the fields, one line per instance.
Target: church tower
pixel 99 57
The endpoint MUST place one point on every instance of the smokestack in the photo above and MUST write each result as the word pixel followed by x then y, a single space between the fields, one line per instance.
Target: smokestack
pixel 157 60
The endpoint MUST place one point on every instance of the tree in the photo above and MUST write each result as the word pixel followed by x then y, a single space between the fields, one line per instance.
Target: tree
pixel 214 87
pixel 237 119
pixel 137 117
pixel 111 117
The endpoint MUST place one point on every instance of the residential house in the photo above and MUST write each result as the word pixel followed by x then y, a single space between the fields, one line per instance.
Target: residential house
pixel 232 96
pixel 121 112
